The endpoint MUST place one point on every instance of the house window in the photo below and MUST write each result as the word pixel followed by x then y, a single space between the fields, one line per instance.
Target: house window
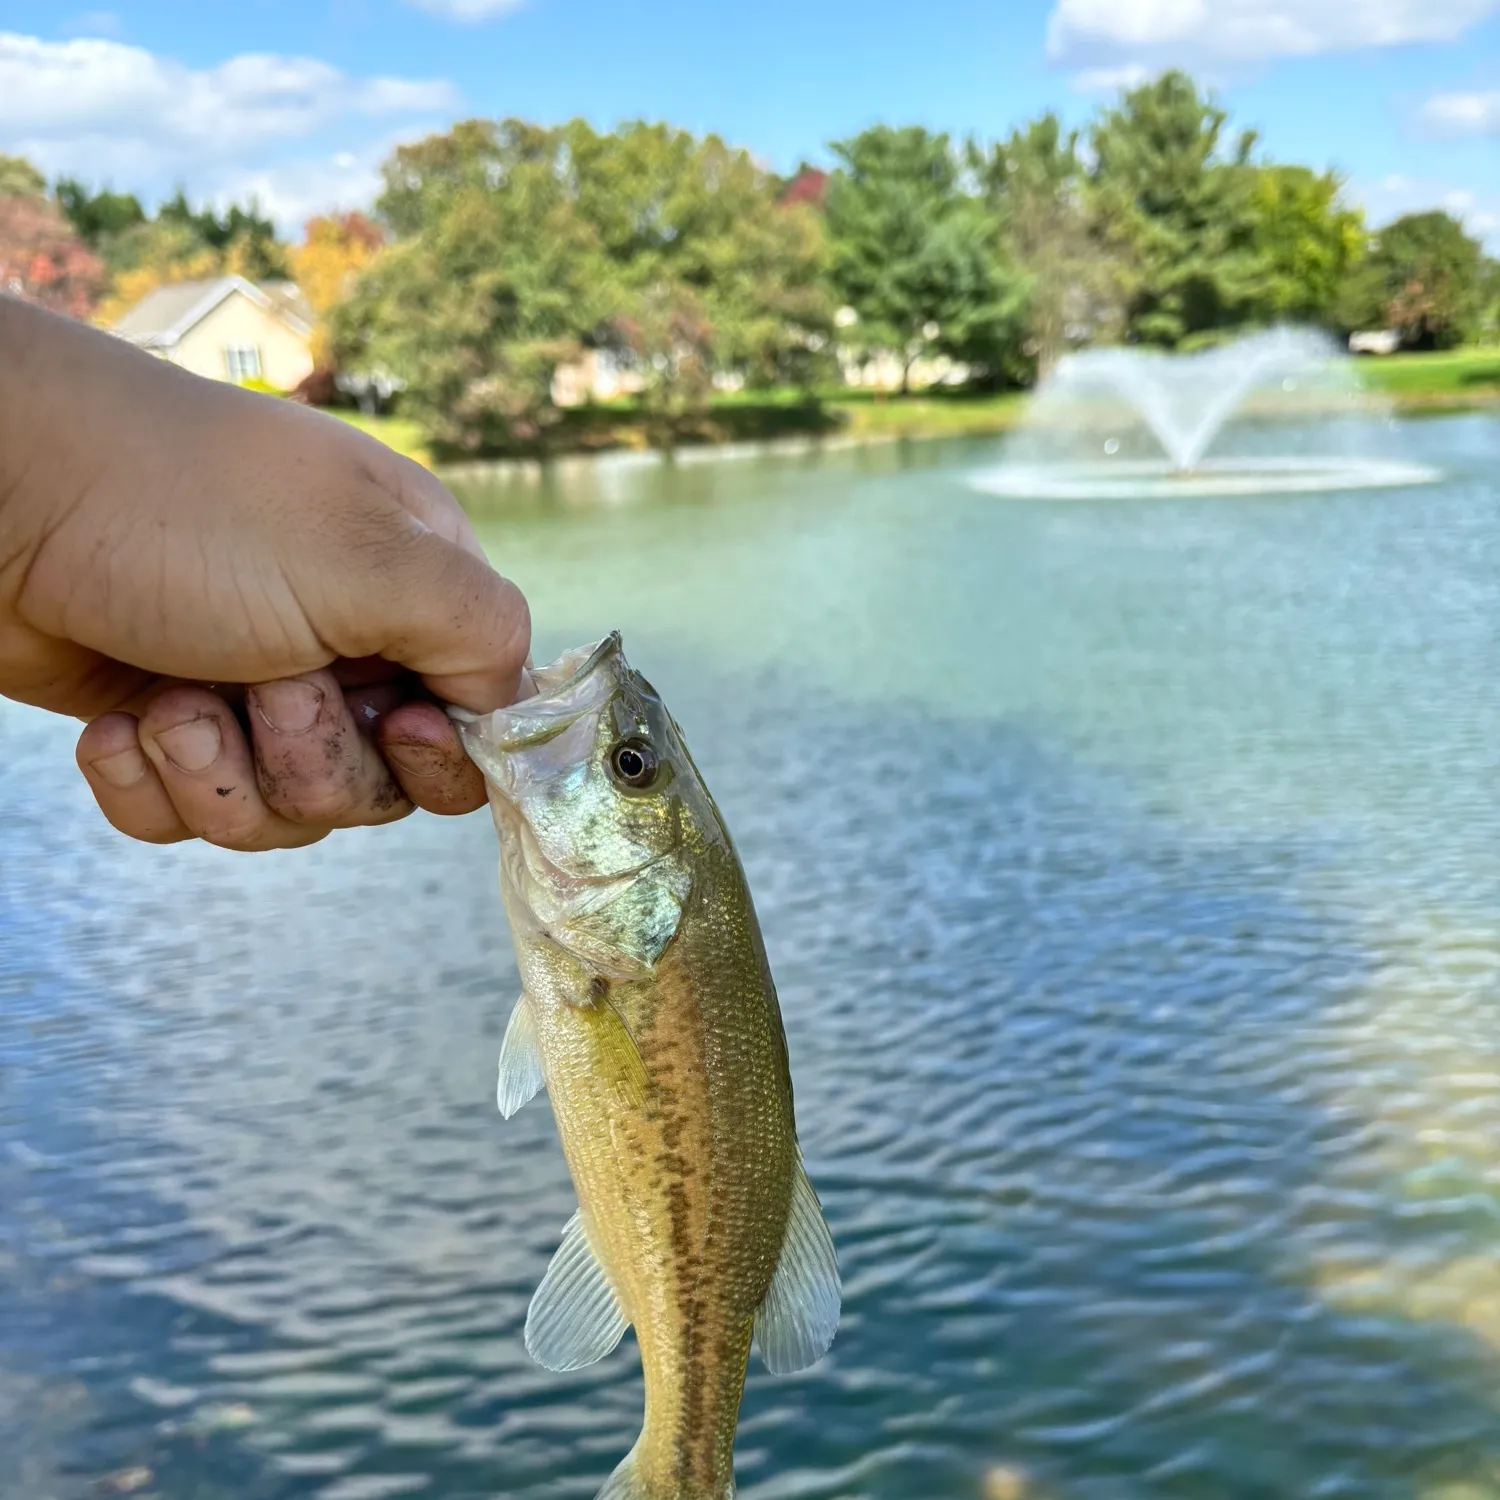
pixel 243 363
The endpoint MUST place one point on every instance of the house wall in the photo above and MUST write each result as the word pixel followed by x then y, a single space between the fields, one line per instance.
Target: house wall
pixel 881 371
pixel 594 376
pixel 285 355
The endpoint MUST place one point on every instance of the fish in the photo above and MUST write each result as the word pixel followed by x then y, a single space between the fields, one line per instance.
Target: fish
pixel 649 1017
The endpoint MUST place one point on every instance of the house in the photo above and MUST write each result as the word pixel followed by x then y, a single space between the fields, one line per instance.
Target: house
pixel 596 375
pixel 884 369
pixel 1375 341
pixel 226 329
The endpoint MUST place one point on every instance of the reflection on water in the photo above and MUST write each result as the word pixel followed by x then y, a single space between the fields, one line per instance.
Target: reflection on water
pixel 1130 877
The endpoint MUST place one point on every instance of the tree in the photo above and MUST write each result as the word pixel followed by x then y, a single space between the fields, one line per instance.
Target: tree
pixel 419 178
pixel 1306 244
pixel 326 266
pixel 916 257
pixel 244 239
pixel 1487 324
pixel 98 217
pixel 156 253
pixel 518 247
pixel 1179 211
pixel 486 292
pixel 42 260
pixel 1427 273
pixel 1036 188
pixel 711 272
pixel 19 179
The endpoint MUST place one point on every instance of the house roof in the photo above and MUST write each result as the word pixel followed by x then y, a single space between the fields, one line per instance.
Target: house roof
pixel 288 298
pixel 810 185
pixel 163 316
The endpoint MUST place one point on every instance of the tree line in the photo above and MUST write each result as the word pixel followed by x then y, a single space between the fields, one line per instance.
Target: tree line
pixel 501 251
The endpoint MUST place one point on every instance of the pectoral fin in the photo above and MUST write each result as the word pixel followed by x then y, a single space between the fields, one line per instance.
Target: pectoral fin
pixel 520 1061
pixel 797 1321
pixel 575 1317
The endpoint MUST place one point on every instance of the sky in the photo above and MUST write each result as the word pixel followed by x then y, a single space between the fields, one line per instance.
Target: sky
pixel 298 101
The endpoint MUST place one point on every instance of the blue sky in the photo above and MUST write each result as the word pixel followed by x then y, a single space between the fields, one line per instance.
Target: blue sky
pixel 298 102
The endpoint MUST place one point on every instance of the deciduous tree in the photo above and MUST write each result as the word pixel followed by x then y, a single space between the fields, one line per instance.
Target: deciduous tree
pixel 916 256
pixel 42 260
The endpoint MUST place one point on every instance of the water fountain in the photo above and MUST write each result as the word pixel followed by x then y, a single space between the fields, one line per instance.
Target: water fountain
pixel 1283 412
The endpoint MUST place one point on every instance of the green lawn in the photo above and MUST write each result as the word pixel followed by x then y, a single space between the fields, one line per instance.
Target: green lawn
pixel 395 432
pixel 1455 374
pixel 949 414
pixel 1458 377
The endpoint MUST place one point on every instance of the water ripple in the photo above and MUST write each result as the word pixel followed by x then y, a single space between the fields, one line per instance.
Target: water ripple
pixel 1143 997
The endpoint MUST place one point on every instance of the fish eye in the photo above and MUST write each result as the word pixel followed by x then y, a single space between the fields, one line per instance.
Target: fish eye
pixel 634 763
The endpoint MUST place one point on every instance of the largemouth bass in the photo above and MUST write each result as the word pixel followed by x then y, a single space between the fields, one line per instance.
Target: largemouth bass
pixel 648 1014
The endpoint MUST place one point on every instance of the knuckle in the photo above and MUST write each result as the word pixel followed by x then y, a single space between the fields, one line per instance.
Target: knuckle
pixel 353 797
pixel 175 704
pixel 241 834
pixel 320 792
pixel 304 802
pixel 237 821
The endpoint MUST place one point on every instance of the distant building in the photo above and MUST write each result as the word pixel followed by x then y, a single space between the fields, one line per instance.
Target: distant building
pixel 226 329
pixel 596 375
pixel 810 185
pixel 1377 341
pixel 881 369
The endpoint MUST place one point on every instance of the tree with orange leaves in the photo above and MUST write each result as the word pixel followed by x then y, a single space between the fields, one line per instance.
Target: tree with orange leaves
pixel 335 249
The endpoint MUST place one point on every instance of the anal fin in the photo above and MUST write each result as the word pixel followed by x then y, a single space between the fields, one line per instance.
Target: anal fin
pixel 797 1321
pixel 575 1317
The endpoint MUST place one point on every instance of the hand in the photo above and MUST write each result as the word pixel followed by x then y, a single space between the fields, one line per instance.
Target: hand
pixel 166 541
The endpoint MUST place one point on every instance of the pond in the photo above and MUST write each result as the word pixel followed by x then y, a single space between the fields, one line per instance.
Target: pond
pixel 1131 877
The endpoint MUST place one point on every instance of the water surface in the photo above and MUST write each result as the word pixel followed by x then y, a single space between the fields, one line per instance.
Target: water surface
pixel 1131 877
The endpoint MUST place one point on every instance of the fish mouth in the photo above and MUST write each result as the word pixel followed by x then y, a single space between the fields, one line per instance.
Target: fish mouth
pixel 572 667
pixel 566 689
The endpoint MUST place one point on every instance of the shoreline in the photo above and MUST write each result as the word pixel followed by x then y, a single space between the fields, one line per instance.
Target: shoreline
pixel 858 423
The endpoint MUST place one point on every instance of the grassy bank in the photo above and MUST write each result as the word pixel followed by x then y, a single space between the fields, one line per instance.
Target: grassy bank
pixel 399 433
pixel 926 414
pixel 1454 380
pixel 1459 376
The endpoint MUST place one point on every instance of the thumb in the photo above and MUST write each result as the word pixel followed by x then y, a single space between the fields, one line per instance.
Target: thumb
pixel 440 610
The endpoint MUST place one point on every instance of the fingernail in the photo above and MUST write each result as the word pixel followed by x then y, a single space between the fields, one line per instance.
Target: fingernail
pixel 193 746
pixel 418 760
pixel 122 769
pixel 289 707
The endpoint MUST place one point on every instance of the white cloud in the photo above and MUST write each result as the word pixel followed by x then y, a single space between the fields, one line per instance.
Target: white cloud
pixel 1463 114
pixel 469 10
pixel 292 192
pixel 107 111
pixel 1157 33
pixel 1395 195
pixel 1109 80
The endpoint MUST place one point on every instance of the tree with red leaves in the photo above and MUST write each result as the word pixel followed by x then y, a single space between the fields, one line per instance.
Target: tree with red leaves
pixel 42 260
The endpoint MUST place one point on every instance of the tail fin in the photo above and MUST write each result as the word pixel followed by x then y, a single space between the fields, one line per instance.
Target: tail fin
pixel 624 1485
